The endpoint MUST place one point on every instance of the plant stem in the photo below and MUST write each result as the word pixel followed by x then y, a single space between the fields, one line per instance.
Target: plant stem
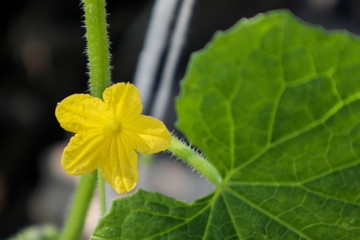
pixel 83 195
pixel 198 162
pixel 97 46
pixel 99 67
pixel 102 199
pixel 99 62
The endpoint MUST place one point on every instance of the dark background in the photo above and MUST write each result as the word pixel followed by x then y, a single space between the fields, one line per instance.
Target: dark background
pixel 43 61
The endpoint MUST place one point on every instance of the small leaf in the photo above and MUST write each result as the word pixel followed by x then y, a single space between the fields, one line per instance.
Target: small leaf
pixel 274 104
pixel 37 232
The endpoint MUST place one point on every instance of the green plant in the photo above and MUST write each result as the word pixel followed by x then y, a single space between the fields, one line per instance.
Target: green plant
pixel 274 106
pixel 273 103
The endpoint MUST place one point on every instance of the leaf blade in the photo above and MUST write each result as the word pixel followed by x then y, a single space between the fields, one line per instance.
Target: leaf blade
pixel 274 104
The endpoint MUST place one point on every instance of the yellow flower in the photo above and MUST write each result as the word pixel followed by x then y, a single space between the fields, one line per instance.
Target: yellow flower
pixel 108 132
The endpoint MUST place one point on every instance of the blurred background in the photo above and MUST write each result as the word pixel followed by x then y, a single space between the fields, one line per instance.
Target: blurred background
pixel 43 61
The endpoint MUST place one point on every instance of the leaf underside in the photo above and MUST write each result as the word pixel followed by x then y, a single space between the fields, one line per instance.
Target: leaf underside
pixel 274 104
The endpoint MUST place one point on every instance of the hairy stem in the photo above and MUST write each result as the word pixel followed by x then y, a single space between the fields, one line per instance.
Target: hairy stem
pixel 99 62
pixel 97 46
pixel 99 71
pixel 198 162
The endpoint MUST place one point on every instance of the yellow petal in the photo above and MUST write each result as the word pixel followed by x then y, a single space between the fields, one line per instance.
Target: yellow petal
pixel 147 134
pixel 123 100
pixel 119 169
pixel 81 112
pixel 83 153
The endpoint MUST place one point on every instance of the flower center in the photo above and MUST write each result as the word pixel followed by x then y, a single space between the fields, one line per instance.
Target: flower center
pixel 114 126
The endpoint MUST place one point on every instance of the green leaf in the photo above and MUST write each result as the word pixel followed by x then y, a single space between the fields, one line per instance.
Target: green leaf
pixel 274 104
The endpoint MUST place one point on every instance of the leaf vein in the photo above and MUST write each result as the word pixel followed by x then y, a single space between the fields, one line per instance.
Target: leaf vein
pixel 305 129
pixel 268 214
pixel 231 216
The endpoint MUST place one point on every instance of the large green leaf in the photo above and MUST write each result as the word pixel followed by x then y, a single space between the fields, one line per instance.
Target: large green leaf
pixel 274 104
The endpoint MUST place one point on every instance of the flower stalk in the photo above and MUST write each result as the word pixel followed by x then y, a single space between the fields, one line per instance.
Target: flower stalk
pixel 102 199
pixel 76 219
pixel 99 63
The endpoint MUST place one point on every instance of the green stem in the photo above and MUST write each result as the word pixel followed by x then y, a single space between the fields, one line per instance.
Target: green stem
pixel 97 46
pixel 182 150
pixel 83 195
pixel 102 199
pixel 99 67
pixel 99 62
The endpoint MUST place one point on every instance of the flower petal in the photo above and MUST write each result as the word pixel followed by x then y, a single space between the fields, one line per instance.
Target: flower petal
pixel 83 154
pixel 81 112
pixel 120 167
pixel 123 100
pixel 147 134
